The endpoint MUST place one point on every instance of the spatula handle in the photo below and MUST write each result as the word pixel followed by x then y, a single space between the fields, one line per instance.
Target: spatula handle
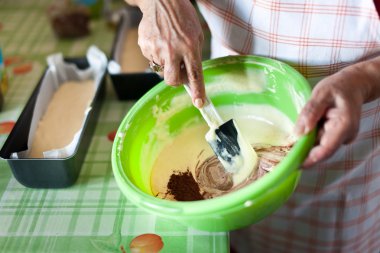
pixel 208 111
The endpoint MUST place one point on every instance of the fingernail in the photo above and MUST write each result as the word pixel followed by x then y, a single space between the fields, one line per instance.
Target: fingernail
pixel 198 103
pixel 307 163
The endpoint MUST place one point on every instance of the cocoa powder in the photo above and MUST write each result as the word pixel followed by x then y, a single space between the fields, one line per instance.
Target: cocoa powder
pixel 183 187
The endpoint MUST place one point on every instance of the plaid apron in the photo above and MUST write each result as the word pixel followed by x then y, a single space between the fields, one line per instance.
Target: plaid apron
pixel 336 206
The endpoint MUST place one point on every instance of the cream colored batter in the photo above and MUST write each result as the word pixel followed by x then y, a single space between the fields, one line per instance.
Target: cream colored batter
pixel 188 150
pixel 63 117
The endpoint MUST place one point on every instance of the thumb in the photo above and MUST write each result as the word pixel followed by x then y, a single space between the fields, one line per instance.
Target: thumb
pixel 311 113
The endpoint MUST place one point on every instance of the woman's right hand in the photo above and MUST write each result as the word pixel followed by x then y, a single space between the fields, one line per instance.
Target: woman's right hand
pixel 170 35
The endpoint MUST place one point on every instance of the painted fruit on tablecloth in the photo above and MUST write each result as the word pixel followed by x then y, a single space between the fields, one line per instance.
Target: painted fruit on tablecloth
pixel 146 243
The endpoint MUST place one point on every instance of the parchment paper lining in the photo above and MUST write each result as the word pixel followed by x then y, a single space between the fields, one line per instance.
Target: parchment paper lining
pixel 57 74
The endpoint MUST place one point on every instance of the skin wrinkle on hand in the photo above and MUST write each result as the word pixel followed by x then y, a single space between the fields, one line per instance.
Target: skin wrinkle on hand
pixel 171 16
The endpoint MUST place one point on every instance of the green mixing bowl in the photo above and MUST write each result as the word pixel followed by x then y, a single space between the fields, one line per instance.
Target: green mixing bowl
pixel 138 143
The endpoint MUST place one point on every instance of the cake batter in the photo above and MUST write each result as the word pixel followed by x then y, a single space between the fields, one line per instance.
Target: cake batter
pixel 63 117
pixel 267 129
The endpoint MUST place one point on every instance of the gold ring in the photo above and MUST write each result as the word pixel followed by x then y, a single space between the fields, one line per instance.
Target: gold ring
pixel 156 67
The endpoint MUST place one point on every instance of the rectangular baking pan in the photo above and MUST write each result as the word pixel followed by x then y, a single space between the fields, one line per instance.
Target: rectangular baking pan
pixel 50 173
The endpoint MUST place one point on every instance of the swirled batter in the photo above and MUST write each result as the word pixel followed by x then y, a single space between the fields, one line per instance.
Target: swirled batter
pixel 187 168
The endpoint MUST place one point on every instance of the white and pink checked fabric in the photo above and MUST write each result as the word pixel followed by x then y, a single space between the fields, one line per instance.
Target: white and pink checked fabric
pixel 336 206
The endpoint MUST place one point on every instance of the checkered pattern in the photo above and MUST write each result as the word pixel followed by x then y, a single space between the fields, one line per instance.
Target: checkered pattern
pixel 336 207
pixel 316 37
pixel 92 215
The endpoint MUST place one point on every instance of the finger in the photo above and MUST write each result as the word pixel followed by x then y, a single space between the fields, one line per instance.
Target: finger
pixel 352 122
pixel 157 68
pixel 151 52
pixel 194 72
pixel 146 47
pixel 310 159
pixel 334 134
pixel 312 112
pixel 172 71
pixel 159 65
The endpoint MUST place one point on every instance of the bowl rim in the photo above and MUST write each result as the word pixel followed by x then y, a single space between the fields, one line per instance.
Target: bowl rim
pixel 228 201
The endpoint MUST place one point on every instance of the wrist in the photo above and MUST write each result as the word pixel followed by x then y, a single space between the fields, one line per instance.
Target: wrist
pixel 365 79
pixel 371 69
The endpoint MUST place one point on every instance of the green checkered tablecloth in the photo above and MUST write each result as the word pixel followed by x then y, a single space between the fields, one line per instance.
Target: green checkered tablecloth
pixel 92 215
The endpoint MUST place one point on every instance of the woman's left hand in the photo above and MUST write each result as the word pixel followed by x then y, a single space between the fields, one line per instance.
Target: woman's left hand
pixel 335 106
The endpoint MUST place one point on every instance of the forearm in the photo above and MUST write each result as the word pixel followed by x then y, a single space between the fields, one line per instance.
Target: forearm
pixel 372 68
pixel 369 73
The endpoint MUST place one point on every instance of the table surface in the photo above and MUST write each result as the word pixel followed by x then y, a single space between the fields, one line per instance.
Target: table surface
pixel 92 215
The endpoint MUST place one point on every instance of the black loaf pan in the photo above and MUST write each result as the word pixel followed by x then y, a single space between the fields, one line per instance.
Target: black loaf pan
pixel 50 173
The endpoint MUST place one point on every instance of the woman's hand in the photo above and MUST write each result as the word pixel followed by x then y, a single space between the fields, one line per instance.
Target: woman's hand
pixel 170 35
pixel 335 106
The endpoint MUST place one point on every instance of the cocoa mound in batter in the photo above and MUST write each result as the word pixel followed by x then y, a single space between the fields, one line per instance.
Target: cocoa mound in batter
pixel 183 187
pixel 211 180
